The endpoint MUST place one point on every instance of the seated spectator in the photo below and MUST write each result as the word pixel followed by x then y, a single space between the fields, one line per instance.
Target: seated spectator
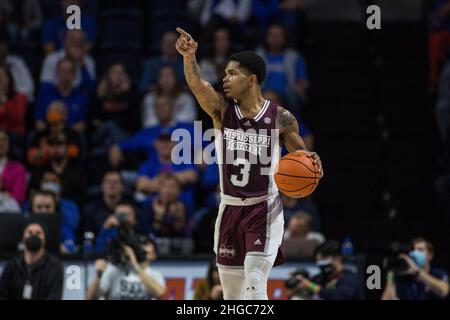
pixel 70 173
pixel 292 205
pixel 75 99
pixel 213 65
pixel 133 280
pixel 167 212
pixel 124 215
pixel 38 153
pixel 420 281
pixel 35 273
pixel 13 179
pixel 12 105
pixel 168 85
pixel 46 201
pixel 75 49
pixel 21 19
pixel 114 112
pixel 23 81
pixel 210 288
pixel 334 282
pixel 98 210
pixel 149 173
pixel 168 57
pixel 300 241
pixel 286 68
pixel 55 29
pixel 144 140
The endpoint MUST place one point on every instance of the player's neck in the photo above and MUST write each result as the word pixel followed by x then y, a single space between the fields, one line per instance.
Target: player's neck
pixel 251 104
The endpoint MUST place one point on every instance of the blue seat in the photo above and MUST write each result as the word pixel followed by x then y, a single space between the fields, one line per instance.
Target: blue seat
pixel 121 27
pixel 128 55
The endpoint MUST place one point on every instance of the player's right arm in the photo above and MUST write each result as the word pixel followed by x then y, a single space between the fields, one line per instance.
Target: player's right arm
pixel 210 100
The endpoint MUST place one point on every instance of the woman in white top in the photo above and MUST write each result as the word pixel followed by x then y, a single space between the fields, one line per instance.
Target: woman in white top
pixel 185 109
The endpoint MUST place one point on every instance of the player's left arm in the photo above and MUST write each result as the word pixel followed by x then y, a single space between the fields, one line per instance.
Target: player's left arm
pixel 289 135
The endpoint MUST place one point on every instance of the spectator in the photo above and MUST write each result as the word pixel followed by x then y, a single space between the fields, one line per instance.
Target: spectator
pixel 23 81
pixel 292 205
pixel 134 280
pixel 47 202
pixel 299 227
pixel 70 173
pixel 12 105
pixel 286 68
pixel 419 281
pixel 38 153
pixel 439 41
pixel 21 19
pixel 115 115
pixel 98 210
pixel 75 49
pixel 55 29
pixel 124 215
pixel 75 99
pixel 167 212
pixel 231 12
pixel 210 288
pixel 13 180
pixel 334 282
pixel 144 140
pixel 169 57
pixel 149 173
pixel 35 273
pixel 168 85
pixel 214 63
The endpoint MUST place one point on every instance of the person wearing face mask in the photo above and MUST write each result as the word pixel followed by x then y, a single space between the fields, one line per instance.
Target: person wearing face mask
pixel 34 273
pixel 419 281
pixel 334 282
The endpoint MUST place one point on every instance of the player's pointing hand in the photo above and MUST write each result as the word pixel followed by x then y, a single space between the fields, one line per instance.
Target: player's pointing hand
pixel 185 44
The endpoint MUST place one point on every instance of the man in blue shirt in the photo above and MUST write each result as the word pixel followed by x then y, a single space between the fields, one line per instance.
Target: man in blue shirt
pixel 76 99
pixel 149 172
pixel 54 30
pixel 419 281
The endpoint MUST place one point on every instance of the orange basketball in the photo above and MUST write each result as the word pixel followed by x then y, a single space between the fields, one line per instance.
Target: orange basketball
pixel 297 176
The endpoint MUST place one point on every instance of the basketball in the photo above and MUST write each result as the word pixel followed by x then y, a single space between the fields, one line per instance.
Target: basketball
pixel 297 176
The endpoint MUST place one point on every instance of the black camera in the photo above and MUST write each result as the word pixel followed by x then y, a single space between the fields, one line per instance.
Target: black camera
pixel 293 282
pixel 393 262
pixel 125 236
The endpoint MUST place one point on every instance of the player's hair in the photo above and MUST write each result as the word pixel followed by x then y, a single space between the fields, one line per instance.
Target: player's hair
pixel 251 62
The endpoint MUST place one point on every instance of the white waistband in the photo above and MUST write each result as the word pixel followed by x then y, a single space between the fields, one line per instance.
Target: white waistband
pixel 234 201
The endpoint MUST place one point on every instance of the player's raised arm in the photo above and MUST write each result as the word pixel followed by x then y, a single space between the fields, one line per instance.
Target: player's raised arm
pixel 210 101
pixel 289 134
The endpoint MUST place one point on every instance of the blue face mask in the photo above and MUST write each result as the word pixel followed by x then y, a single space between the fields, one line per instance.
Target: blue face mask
pixel 419 257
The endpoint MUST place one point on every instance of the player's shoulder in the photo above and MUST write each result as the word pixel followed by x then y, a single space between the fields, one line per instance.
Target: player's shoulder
pixel 284 117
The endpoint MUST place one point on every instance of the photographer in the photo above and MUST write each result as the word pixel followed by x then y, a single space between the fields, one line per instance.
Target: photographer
pixel 415 279
pixel 124 215
pixel 334 282
pixel 129 277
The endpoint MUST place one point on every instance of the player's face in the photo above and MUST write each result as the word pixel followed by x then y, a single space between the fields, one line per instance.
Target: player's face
pixel 235 82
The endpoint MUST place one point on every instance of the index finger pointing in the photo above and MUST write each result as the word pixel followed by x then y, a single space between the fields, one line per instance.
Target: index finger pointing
pixel 184 33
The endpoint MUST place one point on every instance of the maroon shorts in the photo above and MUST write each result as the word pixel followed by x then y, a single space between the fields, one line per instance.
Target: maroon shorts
pixel 254 229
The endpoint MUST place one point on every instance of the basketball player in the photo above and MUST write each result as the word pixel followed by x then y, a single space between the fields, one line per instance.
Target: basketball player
pixel 249 227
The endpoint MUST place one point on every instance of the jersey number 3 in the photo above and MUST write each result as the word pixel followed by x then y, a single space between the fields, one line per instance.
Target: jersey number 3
pixel 241 180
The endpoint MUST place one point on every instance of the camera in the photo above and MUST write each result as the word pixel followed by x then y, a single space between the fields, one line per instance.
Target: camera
pixel 125 236
pixel 293 281
pixel 393 262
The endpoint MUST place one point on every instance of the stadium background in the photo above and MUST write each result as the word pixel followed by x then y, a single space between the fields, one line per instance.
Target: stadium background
pixel 369 108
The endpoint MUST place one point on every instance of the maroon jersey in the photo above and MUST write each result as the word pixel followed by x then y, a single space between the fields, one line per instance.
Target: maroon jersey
pixel 248 152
